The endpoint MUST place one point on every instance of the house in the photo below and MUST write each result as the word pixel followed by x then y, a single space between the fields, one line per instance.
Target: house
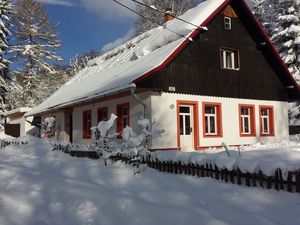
pixel 16 125
pixel 211 77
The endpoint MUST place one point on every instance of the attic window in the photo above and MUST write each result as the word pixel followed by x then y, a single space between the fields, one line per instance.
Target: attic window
pixel 230 59
pixel 227 23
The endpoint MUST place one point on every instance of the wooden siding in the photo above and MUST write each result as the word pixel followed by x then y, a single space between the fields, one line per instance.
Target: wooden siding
pixel 197 70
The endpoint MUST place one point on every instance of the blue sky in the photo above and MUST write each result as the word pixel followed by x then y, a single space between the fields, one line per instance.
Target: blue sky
pixel 85 25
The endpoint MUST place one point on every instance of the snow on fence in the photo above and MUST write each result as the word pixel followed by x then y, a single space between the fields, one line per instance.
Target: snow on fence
pixel 5 143
pixel 279 181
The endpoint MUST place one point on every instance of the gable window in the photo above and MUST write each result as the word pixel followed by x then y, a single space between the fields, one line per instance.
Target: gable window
pixel 212 121
pixel 227 23
pixel 266 120
pixel 247 120
pixel 230 58
pixel 123 116
pixel 102 114
pixel 87 124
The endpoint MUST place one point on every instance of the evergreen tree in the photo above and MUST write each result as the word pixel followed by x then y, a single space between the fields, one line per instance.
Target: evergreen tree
pixel 5 15
pixel 177 6
pixel 35 47
pixel 286 36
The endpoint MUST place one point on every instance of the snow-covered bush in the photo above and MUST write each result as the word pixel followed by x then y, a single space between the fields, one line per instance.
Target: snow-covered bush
pixel 137 146
pixel 104 141
pixel 48 126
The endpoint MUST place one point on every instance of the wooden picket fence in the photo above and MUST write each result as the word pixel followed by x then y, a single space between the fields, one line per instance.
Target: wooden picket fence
pixel 286 182
pixel 5 143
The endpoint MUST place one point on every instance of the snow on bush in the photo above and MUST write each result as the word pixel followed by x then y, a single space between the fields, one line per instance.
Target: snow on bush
pixel 48 126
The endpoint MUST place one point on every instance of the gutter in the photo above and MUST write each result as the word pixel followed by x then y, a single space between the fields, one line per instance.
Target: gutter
pixel 132 91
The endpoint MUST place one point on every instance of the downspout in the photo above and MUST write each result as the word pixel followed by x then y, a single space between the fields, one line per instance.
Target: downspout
pixel 132 91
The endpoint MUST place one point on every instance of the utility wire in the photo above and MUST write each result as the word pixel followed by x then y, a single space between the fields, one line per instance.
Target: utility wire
pixel 178 18
pixel 151 20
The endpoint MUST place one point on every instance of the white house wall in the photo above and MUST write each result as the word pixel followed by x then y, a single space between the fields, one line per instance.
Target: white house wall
pixel 136 111
pixel 164 113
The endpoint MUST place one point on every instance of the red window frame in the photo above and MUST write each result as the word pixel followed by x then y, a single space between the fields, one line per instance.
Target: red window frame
pixel 251 120
pixel 86 124
pixel 271 126
pixel 102 114
pixel 120 119
pixel 219 130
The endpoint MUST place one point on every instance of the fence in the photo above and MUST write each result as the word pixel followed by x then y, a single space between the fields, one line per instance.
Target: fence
pixel 289 181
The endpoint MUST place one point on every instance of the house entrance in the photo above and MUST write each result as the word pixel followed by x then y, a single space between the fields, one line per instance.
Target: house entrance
pixel 186 121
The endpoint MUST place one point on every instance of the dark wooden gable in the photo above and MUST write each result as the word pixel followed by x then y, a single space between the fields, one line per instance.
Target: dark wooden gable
pixel 197 69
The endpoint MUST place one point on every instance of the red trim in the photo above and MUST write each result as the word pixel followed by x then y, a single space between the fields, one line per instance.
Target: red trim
pixel 271 121
pixel 183 45
pixel 86 124
pixel 218 106
pixel 100 113
pixel 252 120
pixel 120 125
pixel 272 46
pixel 196 121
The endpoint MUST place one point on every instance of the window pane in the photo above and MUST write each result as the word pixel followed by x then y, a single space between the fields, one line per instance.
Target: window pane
pixel 229 62
pixel 125 122
pixel 265 126
pixel 246 125
pixel 187 125
pixel 206 125
pixel 210 109
pixel 181 124
pixel 125 111
pixel 212 125
pixel 245 111
pixel 264 112
pixel 184 109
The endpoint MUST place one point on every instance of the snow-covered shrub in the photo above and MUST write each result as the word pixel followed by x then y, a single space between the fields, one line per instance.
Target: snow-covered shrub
pixel 48 126
pixel 104 141
pixel 137 146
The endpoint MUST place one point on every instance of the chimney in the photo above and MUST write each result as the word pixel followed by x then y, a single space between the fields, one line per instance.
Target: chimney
pixel 169 15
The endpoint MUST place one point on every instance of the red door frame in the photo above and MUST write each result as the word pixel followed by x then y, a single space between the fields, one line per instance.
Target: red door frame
pixel 196 121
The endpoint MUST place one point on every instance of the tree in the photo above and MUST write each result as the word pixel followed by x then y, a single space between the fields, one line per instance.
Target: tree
pixel 177 6
pixel 5 15
pixel 35 46
pixel 286 36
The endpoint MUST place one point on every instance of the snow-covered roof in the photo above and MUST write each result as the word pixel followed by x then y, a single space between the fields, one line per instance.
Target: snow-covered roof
pixel 18 110
pixel 117 69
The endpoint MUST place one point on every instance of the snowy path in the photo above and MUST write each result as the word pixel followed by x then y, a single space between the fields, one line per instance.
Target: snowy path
pixel 40 187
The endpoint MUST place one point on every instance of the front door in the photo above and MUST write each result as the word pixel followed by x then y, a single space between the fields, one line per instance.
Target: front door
pixel 186 118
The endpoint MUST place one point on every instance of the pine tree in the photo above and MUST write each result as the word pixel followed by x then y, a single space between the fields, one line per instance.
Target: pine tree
pixel 177 6
pixel 35 47
pixel 286 35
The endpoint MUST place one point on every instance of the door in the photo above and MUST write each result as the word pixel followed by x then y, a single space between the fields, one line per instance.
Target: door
pixel 186 120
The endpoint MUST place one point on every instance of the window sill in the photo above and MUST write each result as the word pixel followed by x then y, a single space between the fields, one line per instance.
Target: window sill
pixel 212 135
pixel 267 135
pixel 230 69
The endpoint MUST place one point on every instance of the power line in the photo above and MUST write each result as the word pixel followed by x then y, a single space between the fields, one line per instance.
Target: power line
pixel 178 18
pixel 151 20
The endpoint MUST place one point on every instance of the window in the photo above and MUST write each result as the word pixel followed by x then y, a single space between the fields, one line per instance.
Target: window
pixel 87 124
pixel 123 116
pixel 230 59
pixel 247 120
pixel 212 120
pixel 227 23
pixel 266 120
pixel 102 114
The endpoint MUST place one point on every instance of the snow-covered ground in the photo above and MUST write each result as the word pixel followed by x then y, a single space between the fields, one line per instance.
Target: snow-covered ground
pixel 43 187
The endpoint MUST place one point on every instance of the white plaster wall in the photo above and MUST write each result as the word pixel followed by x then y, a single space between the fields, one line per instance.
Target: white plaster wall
pixel 136 111
pixel 166 118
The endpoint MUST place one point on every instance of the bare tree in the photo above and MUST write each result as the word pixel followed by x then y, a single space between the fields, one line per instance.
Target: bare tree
pixel 35 46
pixel 177 6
